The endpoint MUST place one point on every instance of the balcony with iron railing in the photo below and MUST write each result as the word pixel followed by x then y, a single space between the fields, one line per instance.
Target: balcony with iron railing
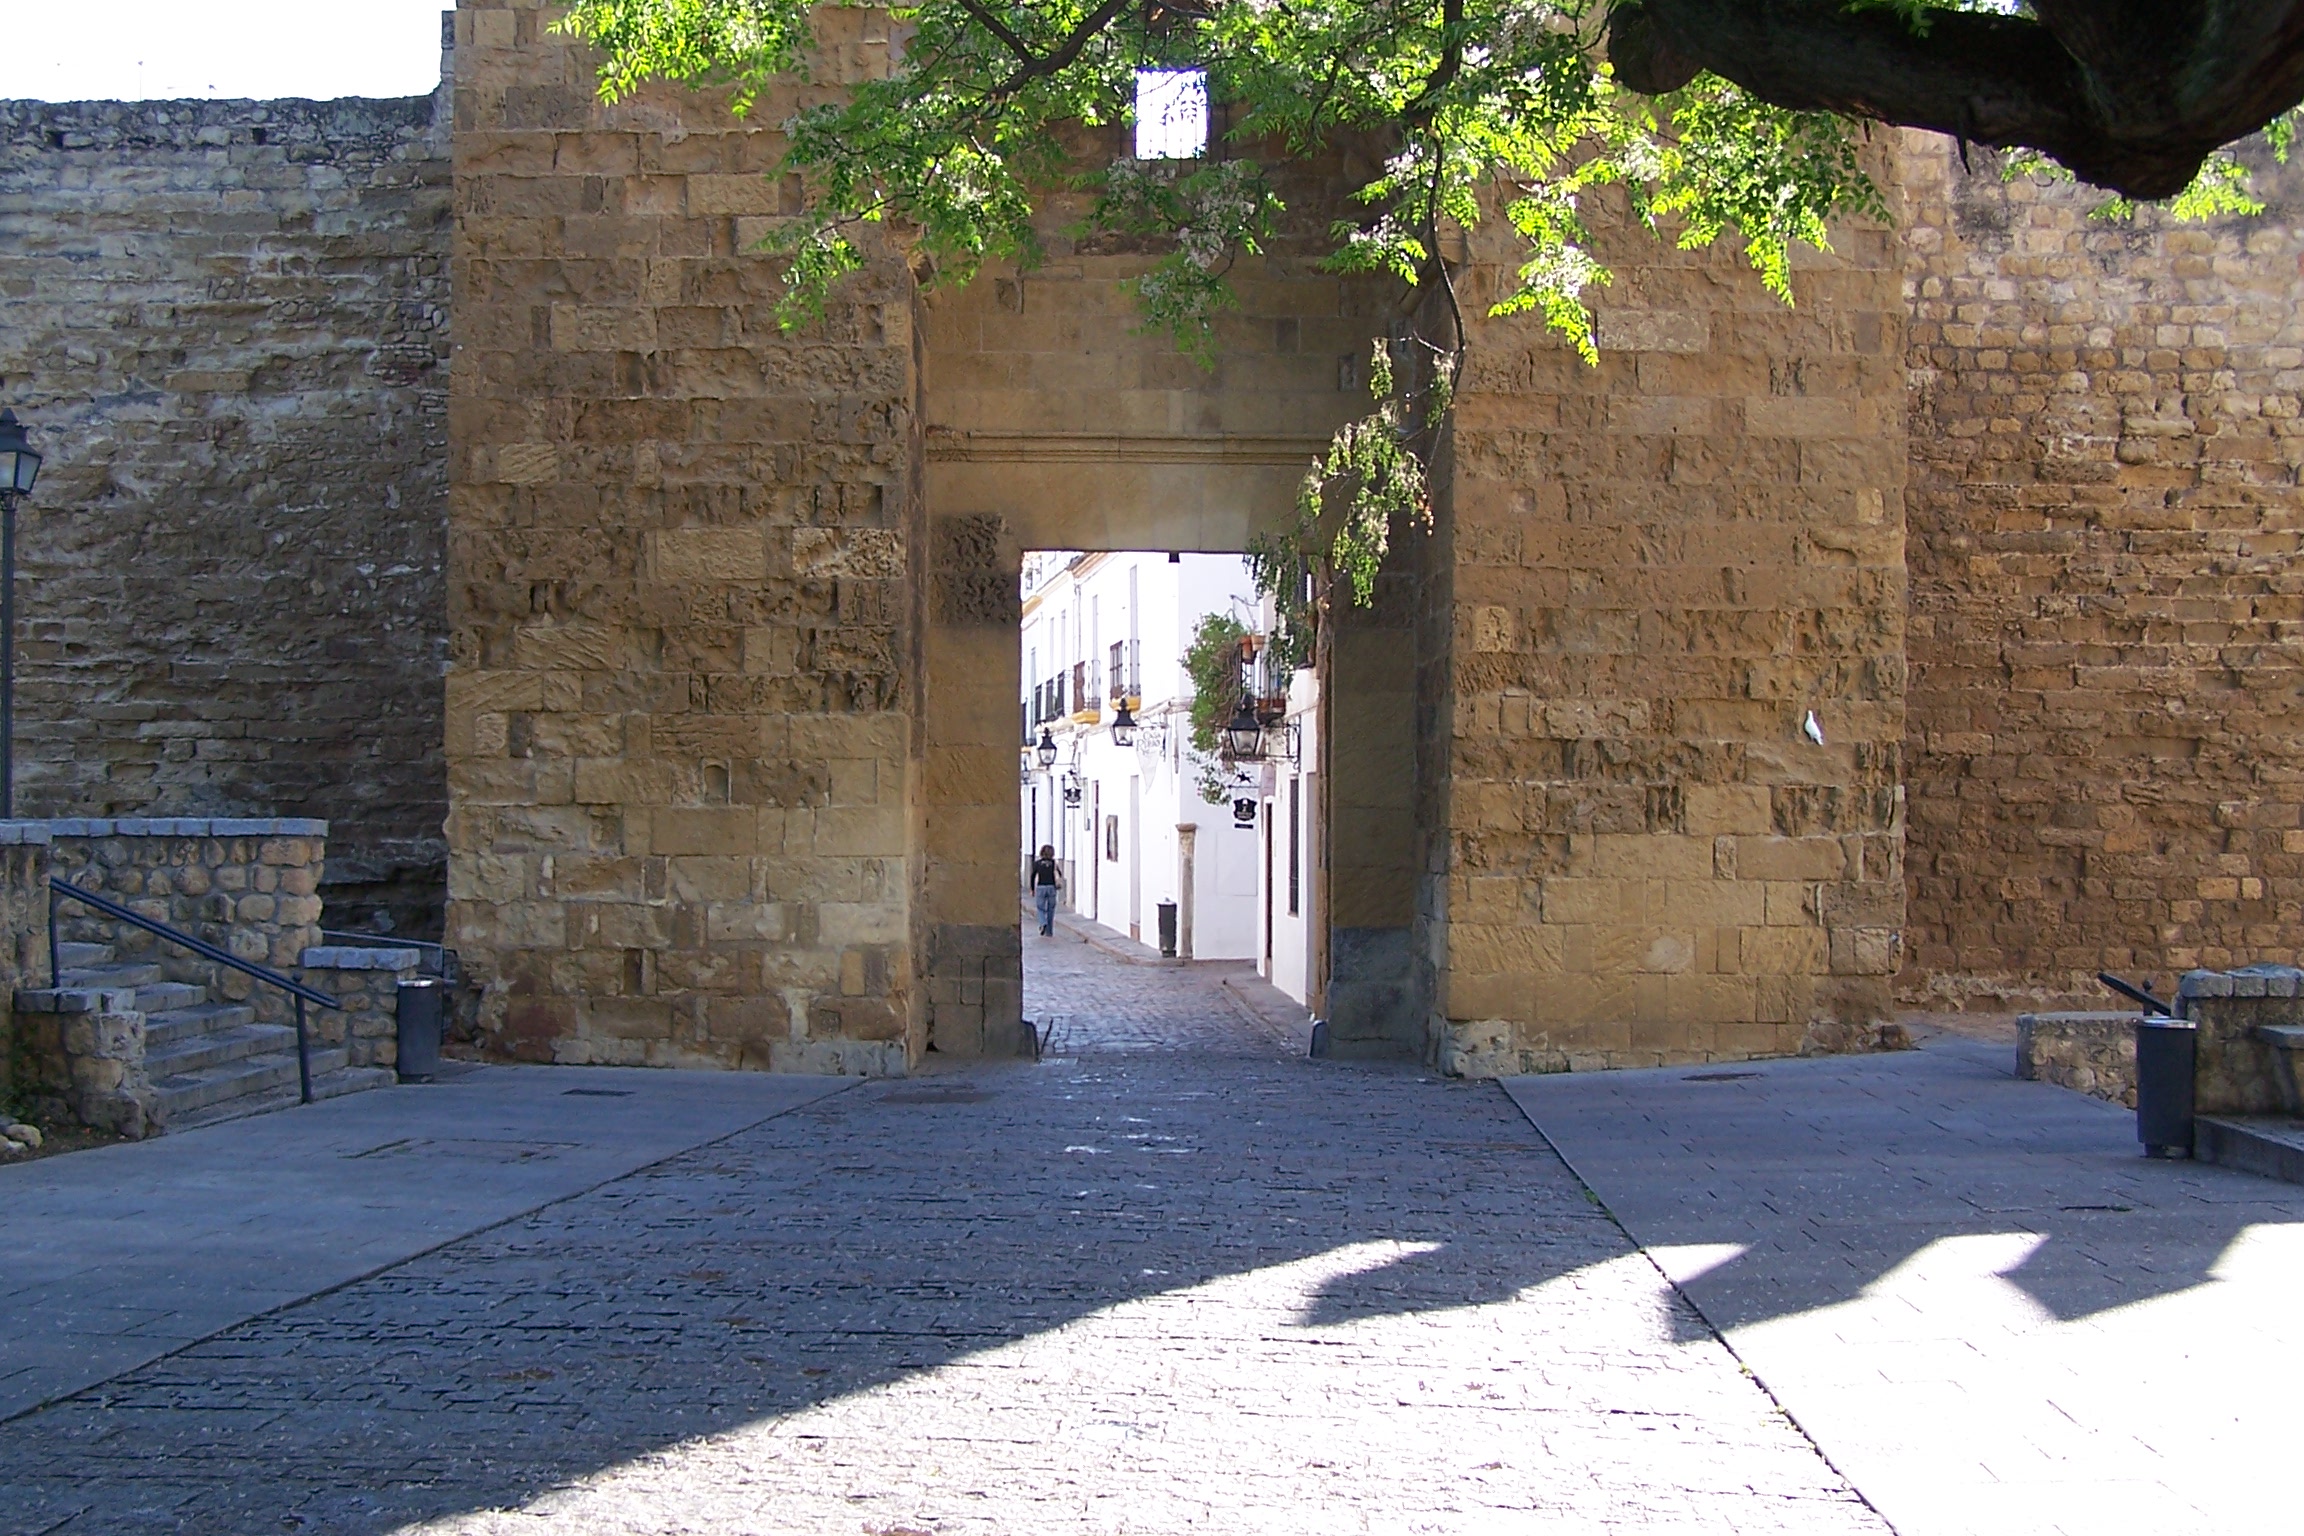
pixel 1087 692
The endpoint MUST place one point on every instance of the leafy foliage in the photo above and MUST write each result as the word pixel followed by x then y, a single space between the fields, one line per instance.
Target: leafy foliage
pixel 1212 661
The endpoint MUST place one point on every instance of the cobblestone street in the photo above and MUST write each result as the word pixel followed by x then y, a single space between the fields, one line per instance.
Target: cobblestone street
pixel 1213 1288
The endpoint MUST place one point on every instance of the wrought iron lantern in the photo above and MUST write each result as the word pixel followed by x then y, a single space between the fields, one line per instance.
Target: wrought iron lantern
pixel 19 464
pixel 1244 735
pixel 1046 751
pixel 1124 726
pixel 19 472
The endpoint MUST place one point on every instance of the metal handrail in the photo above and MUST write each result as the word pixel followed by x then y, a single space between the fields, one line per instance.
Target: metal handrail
pixel 60 891
pixel 2133 994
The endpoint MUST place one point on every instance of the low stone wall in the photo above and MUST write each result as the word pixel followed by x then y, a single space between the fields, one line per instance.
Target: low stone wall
pixel 249 887
pixel 23 924
pixel 367 982
pixel 2235 1073
pixel 80 1056
pixel 2092 1053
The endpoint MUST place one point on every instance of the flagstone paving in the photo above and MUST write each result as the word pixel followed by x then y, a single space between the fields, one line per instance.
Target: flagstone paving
pixel 1986 1307
pixel 1210 1288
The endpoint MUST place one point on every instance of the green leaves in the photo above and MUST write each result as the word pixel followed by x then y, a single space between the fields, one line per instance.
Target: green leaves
pixel 2221 187
pixel 741 45
pixel 1212 211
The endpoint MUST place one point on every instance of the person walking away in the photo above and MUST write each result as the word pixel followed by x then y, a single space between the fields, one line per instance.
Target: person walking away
pixel 1045 882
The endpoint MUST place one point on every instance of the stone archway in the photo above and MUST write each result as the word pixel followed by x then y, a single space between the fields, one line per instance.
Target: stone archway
pixel 730 711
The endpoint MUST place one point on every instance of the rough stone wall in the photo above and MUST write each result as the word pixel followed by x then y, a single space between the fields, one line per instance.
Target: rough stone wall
pixel 227 324
pixel 23 926
pixel 681 729
pixel 24 867
pixel 367 982
pixel 1660 566
pixel 80 1057
pixel 2091 1053
pixel 248 887
pixel 2108 419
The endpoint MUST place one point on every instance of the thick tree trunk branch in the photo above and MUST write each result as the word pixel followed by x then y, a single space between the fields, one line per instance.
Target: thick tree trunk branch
pixel 2130 94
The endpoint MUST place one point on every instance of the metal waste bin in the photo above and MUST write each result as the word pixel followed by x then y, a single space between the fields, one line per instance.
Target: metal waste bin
pixel 1168 929
pixel 420 1008
pixel 2164 1053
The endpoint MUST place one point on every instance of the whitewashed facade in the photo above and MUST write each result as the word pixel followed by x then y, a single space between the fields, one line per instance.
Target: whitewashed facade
pixel 1131 825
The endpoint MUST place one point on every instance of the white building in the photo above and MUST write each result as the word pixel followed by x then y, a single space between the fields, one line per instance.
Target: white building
pixel 1130 824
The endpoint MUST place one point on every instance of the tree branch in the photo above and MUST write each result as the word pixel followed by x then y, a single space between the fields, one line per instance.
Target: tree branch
pixel 2130 94
pixel 999 29
pixel 1451 62
pixel 1067 51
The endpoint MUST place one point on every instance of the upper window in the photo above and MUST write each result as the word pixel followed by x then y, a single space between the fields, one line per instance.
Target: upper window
pixel 1171 114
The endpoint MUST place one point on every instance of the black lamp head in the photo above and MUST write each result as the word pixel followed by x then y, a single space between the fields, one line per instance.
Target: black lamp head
pixel 19 464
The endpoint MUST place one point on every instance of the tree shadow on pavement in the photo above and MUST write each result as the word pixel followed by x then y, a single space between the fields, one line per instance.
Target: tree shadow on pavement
pixel 1777 1189
pixel 863 1241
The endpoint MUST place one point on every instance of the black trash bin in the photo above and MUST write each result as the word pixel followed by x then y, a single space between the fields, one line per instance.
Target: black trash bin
pixel 1168 929
pixel 2164 1053
pixel 421 1006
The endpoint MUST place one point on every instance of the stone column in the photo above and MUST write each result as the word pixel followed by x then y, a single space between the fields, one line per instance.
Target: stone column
pixel 1368 699
pixel 1187 883
pixel 974 945
pixel 683 694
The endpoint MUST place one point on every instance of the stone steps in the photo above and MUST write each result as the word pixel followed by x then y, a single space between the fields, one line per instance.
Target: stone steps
pixel 333 1083
pixel 113 977
pixel 2269 1145
pixel 177 1024
pixel 196 1053
pixel 209 1061
pixel 205 1087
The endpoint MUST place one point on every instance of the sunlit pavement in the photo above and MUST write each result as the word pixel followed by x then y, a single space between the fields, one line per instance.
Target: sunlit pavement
pixel 1217 1288
pixel 1988 1310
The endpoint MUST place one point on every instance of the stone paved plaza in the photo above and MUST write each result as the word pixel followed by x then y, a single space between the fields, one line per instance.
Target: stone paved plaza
pixel 1176 1277
pixel 1212 1289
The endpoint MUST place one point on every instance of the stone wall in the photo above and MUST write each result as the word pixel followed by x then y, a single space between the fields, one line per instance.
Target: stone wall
pixel 2091 1053
pixel 366 980
pixel 2235 1070
pixel 226 323
pixel 684 565
pixel 2108 419
pixel 1661 568
pixel 249 888
pixel 23 925
pixel 80 1058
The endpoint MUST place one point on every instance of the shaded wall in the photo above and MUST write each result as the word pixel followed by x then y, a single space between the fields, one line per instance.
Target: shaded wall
pixel 227 324
pixel 2106 769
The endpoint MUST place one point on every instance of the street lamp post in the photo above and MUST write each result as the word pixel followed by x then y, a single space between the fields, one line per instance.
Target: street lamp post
pixel 19 472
